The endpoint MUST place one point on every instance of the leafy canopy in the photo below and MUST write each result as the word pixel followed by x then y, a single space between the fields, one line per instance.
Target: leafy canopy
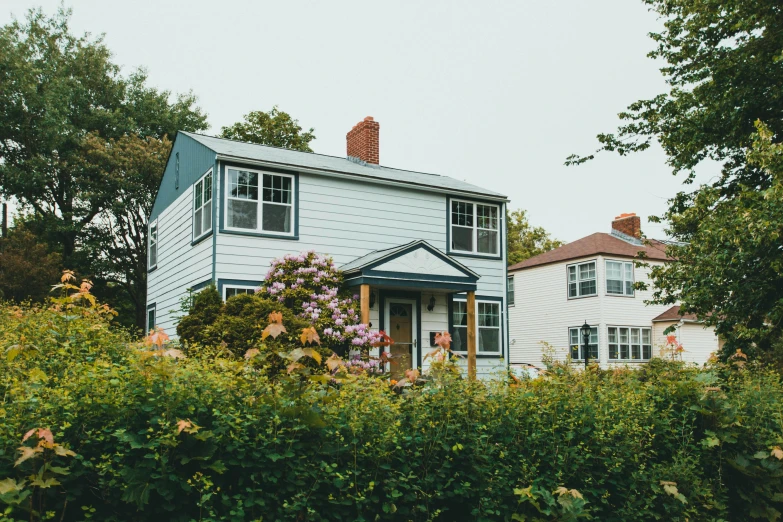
pixel 276 128
pixel 525 240
pixel 724 65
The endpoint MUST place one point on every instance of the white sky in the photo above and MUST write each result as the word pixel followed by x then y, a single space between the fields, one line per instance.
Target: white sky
pixel 495 93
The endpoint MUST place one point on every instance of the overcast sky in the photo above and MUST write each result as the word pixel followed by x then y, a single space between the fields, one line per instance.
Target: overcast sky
pixel 494 93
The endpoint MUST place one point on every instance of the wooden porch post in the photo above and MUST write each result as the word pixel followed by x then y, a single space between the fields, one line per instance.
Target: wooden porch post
pixel 364 300
pixel 471 335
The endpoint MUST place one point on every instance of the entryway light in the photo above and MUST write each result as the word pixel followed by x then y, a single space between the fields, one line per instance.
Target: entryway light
pixel 431 306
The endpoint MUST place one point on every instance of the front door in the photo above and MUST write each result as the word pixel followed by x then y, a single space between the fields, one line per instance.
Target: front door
pixel 401 318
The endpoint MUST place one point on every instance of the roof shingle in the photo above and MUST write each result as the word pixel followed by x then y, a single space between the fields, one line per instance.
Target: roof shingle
pixel 673 314
pixel 594 244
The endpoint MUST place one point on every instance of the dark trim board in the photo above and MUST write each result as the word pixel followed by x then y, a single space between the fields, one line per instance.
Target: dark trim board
pixel 407 283
pixel 386 294
pixel 221 180
pixel 199 286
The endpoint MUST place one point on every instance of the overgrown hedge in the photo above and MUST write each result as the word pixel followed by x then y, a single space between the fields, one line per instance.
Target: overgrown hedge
pixel 166 438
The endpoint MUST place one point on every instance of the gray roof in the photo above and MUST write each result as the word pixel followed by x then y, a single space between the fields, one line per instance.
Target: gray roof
pixel 320 162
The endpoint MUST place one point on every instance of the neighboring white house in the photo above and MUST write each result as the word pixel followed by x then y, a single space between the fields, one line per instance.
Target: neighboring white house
pixel 592 280
pixel 416 244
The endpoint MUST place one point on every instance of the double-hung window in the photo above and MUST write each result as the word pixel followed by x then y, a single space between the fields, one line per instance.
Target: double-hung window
pixel 619 278
pixel 629 344
pixel 475 228
pixel 581 279
pixel 259 202
pixel 202 206
pixel 510 289
pixel 488 334
pixel 577 343
pixel 153 245
pixel 231 291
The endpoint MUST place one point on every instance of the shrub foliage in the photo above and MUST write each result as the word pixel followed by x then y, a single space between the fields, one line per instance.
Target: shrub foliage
pixel 95 426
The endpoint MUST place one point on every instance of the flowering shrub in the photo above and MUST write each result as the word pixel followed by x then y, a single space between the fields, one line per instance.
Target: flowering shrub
pixel 309 283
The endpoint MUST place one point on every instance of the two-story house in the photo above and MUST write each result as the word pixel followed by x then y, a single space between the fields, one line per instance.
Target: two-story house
pixel 592 280
pixel 425 252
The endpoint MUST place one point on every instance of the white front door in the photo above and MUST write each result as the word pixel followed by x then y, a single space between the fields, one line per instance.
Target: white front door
pixel 402 327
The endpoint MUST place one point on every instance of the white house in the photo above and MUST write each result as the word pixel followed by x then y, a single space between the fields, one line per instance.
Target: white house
pixel 417 247
pixel 592 280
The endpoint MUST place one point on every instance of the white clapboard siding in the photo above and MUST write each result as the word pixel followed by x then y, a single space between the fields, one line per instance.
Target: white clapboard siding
pixel 180 265
pixel 697 341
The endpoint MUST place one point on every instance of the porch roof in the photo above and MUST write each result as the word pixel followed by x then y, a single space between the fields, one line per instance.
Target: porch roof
pixel 413 265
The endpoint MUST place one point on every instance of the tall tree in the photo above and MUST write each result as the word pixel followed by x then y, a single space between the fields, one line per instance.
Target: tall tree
pixel 724 65
pixel 525 240
pixel 27 268
pixel 275 128
pixel 55 89
pixel 132 168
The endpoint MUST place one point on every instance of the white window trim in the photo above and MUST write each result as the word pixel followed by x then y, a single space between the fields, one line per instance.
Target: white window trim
pixel 568 281
pixel 259 202
pixel 237 287
pixel 606 277
pixel 581 344
pixel 499 327
pixel 150 264
pixel 475 229
pixel 641 344
pixel 194 237
pixel 510 282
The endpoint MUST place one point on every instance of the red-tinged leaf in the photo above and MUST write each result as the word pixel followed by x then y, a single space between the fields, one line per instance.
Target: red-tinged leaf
pixel 252 353
pixel 273 329
pixel 28 434
pixel 276 317
pixel 183 425
pixel 157 337
pixel 309 336
pixel 412 375
pixel 293 367
pixel 384 340
pixel 46 434
pixel 67 276
pixel 433 353
pixel 443 340
pixel 777 453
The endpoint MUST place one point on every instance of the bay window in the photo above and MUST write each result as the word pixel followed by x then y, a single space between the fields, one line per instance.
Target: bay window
pixel 581 279
pixel 619 278
pixel 259 202
pixel 629 344
pixel 202 206
pixel 475 228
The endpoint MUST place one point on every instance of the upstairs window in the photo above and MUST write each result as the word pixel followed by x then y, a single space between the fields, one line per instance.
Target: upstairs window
pixel 475 228
pixel 577 344
pixel 619 278
pixel 630 344
pixel 581 280
pixel 202 206
pixel 271 213
pixel 510 297
pixel 153 245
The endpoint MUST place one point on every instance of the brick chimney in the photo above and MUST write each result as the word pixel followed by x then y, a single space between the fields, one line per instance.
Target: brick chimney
pixel 362 141
pixel 629 224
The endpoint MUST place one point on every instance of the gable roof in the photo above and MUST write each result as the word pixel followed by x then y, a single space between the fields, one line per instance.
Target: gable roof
pixel 320 163
pixel 673 314
pixel 380 257
pixel 595 244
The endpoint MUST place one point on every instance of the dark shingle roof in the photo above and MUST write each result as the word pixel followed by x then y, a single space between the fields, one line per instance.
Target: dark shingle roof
pixel 595 244
pixel 333 164
pixel 673 314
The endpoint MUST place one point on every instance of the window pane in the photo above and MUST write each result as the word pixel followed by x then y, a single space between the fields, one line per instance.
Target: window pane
pixel 572 273
pixel 488 314
pixel 460 313
pixel 612 335
pixel 242 214
pixel 207 218
pixel 487 242
pixel 243 184
pixel 197 193
pixel 574 336
pixel 635 338
pixel 461 214
pixel 153 255
pixel 150 319
pixel 646 336
pixel 489 340
pixel 614 270
pixel 613 351
pixel 572 290
pixel 197 217
pixel 459 339
pixel 587 271
pixel 629 288
pixel 629 271
pixel 277 218
pixel 647 351
pixel 487 216
pixel 587 288
pixel 208 188
pixel 614 287
pixel 462 239
pixel 510 296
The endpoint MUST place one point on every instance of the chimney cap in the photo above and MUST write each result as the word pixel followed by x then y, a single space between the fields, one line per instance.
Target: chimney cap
pixel 368 118
pixel 626 215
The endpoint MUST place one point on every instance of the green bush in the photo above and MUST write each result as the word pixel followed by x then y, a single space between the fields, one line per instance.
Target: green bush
pixel 160 437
